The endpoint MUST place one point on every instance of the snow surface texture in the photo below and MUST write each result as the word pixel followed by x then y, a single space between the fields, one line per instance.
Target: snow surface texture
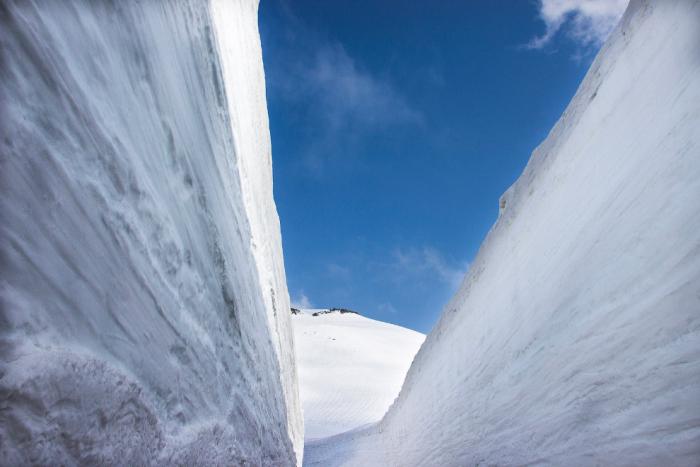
pixel 575 337
pixel 144 311
pixel 350 368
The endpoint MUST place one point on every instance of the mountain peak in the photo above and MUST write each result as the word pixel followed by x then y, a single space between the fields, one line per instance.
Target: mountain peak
pixel 322 311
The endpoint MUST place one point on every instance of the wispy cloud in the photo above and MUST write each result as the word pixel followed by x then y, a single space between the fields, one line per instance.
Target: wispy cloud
pixel 387 308
pixel 301 301
pixel 338 271
pixel 409 264
pixel 347 94
pixel 341 99
pixel 587 22
pixel 428 260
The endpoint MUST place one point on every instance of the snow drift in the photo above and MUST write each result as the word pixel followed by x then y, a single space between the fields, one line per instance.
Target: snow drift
pixel 144 310
pixel 575 337
pixel 350 368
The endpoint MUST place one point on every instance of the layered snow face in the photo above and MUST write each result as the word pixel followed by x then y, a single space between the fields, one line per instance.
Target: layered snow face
pixel 350 368
pixel 144 314
pixel 575 337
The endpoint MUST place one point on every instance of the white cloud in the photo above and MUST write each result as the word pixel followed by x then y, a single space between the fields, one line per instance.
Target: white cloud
pixel 301 301
pixel 338 271
pixel 428 260
pixel 346 93
pixel 387 308
pixel 342 100
pixel 588 22
pixel 321 74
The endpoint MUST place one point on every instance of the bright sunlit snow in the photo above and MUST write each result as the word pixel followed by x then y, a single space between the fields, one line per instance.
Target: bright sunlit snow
pixel 350 368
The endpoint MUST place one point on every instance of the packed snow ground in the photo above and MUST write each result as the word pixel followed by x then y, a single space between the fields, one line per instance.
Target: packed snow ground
pixel 144 311
pixel 575 337
pixel 350 368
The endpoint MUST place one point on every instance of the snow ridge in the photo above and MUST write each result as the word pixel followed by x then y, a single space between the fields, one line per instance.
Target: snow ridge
pixel 350 368
pixel 142 279
pixel 575 337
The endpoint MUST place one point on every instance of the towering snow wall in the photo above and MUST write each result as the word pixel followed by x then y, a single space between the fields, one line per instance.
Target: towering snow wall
pixel 575 337
pixel 144 313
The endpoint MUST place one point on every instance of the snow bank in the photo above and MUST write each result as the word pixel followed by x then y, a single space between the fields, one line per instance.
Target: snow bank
pixel 350 368
pixel 575 337
pixel 144 310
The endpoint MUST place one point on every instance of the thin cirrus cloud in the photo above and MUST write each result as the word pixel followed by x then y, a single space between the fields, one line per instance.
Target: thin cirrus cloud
pixel 337 271
pixel 345 102
pixel 347 94
pixel 586 22
pixel 428 263
pixel 387 308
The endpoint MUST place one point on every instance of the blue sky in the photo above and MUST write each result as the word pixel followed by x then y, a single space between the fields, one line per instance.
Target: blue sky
pixel 396 126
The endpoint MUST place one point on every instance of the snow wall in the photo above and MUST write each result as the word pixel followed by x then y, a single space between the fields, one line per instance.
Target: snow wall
pixel 575 337
pixel 144 313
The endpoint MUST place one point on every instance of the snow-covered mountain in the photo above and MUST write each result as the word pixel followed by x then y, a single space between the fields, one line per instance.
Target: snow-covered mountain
pixel 575 337
pixel 144 310
pixel 350 368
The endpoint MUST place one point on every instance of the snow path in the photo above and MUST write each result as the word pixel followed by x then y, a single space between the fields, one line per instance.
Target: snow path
pixel 143 304
pixel 351 368
pixel 575 337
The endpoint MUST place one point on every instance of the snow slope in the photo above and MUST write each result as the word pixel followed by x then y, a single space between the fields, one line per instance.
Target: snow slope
pixel 144 315
pixel 575 337
pixel 350 368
